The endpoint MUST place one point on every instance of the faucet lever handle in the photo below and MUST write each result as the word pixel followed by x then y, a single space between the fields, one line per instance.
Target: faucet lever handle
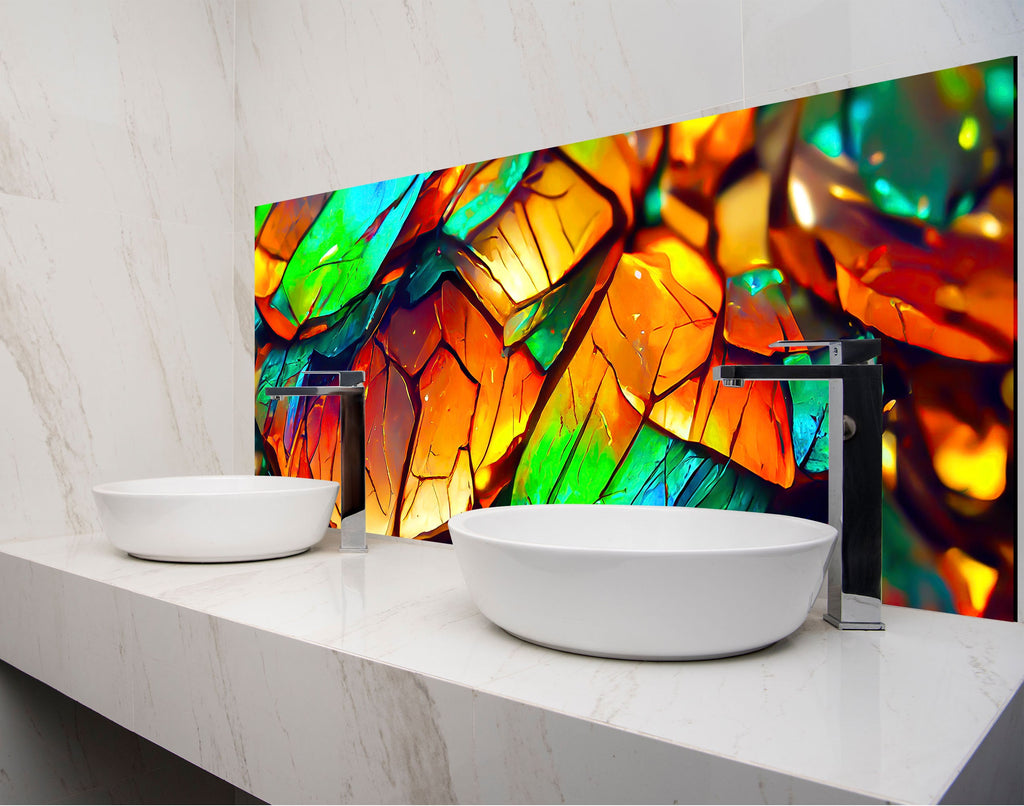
pixel 799 343
pixel 332 372
pixel 342 377
pixel 841 351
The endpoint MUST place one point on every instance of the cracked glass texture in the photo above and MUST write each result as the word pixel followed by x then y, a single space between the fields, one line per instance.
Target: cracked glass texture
pixel 541 327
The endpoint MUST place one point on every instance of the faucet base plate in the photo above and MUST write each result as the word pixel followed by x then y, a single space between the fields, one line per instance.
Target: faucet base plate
pixel 853 625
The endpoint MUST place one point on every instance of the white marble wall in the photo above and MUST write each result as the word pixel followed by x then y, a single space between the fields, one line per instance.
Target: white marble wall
pixel 332 94
pixel 116 314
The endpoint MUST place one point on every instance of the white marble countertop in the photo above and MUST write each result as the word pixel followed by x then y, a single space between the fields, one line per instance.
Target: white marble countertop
pixel 333 677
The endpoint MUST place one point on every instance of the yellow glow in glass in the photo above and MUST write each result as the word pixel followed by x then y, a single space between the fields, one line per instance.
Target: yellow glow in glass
pixel 991 227
pixel 844 193
pixel 742 220
pixel 968 137
pixel 269 270
pixel 688 134
pixel 801 201
pixel 971 463
pixel 889 460
pixel 979 577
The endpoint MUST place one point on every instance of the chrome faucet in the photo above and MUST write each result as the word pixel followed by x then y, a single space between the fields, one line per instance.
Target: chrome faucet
pixel 854 378
pixel 351 424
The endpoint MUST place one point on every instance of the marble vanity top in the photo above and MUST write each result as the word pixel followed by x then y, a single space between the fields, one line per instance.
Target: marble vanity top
pixel 373 678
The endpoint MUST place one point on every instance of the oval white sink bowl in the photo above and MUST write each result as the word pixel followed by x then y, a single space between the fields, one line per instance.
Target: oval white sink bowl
pixel 211 519
pixel 645 583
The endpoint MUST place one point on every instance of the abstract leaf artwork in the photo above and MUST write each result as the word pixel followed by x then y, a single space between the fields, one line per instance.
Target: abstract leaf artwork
pixel 540 328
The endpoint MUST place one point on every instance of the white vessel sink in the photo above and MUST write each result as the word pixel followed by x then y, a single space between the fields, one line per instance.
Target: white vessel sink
pixel 209 519
pixel 646 583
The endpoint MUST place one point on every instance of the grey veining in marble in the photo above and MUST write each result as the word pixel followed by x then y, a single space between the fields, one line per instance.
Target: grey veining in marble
pixel 119 106
pixel 114 346
pixel 116 213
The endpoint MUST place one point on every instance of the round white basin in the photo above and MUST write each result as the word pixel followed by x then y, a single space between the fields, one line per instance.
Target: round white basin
pixel 646 583
pixel 209 519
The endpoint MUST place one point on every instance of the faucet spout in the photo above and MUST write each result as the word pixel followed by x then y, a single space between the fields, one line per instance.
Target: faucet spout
pixel 736 374
pixel 351 435
pixel 854 472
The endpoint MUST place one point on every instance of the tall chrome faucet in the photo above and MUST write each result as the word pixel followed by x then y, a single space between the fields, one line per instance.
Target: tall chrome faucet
pixel 854 469
pixel 351 434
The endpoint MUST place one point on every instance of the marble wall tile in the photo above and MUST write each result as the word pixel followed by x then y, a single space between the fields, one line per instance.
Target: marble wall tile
pixel 507 77
pixel 970 53
pixel 115 340
pixel 243 359
pixel 121 106
pixel 333 95
pixel 325 91
pixel 115 250
pixel 811 46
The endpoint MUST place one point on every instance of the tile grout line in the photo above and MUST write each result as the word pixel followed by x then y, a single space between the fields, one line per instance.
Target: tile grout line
pixel 231 459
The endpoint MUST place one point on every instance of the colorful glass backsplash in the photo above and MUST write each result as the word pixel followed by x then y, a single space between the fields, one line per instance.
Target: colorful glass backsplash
pixel 541 328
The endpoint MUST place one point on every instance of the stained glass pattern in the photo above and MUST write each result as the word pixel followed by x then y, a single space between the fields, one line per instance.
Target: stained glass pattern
pixel 541 328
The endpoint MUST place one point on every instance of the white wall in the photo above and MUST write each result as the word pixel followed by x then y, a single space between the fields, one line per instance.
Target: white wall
pixel 333 94
pixel 116 315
